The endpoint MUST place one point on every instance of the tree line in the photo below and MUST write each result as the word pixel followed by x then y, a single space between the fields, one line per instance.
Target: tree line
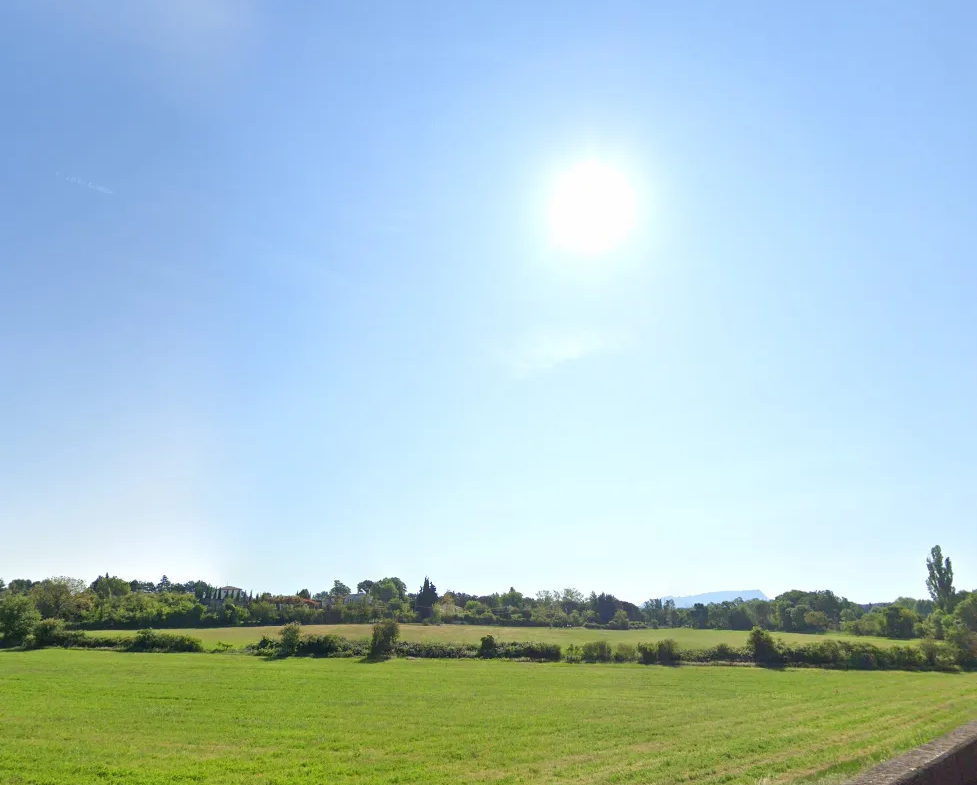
pixel 112 602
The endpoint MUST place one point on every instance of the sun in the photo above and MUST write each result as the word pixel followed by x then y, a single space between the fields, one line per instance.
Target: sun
pixel 592 209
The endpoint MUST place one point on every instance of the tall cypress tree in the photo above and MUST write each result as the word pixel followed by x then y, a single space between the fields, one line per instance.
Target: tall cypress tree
pixel 426 597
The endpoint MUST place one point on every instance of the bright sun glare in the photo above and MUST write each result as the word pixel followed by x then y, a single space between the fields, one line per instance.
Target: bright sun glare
pixel 592 209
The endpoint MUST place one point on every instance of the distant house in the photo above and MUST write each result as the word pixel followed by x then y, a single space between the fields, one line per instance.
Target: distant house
pixel 224 594
pixel 359 597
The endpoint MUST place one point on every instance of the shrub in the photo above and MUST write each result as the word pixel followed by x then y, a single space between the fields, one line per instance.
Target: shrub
pixel 290 636
pixel 77 639
pixel 625 652
pixel 620 621
pixel 437 650
pixel 18 615
pixel 319 646
pixel 385 635
pixel 963 646
pixel 761 647
pixel 487 649
pixel 265 645
pixel 48 632
pixel 150 640
pixel 596 651
pixel 905 657
pixel 647 653
pixel 723 652
pixel 820 653
pixel 530 650
pixel 930 651
pixel 573 654
pixel 668 651
pixel 592 625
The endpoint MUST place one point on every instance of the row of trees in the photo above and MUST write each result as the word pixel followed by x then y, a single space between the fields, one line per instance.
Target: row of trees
pixel 110 601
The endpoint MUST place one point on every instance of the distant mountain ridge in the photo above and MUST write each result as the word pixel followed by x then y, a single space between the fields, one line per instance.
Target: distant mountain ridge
pixel 717 596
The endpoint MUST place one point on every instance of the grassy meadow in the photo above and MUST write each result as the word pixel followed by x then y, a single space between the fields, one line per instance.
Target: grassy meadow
pixel 71 717
pixel 463 633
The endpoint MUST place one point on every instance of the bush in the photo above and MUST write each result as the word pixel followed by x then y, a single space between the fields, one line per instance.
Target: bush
pixel 319 646
pixel 487 649
pixel 723 652
pixel 905 657
pixel 265 645
pixel 596 651
pixel 290 636
pixel 573 654
pixel 963 646
pixel 930 651
pixel 647 653
pixel 625 652
pixel 820 653
pixel 150 640
pixel 620 621
pixel 761 647
pixel 668 651
pixel 529 650
pixel 385 635
pixel 437 650
pixel 18 615
pixel 49 632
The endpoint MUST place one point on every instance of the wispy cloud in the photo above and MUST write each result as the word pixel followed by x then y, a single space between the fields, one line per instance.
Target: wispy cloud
pixel 545 350
pixel 184 38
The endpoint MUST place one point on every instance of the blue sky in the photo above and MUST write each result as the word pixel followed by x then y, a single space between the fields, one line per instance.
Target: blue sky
pixel 308 323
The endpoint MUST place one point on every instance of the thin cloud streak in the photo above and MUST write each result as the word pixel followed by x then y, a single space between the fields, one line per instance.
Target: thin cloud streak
pixel 545 351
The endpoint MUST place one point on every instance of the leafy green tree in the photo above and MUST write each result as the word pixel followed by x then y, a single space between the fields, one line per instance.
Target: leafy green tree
pixel 55 598
pixel 966 613
pixel 20 585
pixel 232 614
pixel 898 622
pixel 105 587
pixel 163 585
pixel 700 616
pixel 339 589
pixel 606 605
pixel 398 584
pixel 620 620
pixel 18 615
pixel 385 590
pixel 939 582
pixel 797 614
pixel 761 612
pixel 290 636
pixel 3 586
pixel 571 600
pixel 512 598
pixel 263 612
pixel 426 598
pixel 761 647
pixel 384 641
pixel 739 619
pixel 365 587
pixel 304 594
pixel 934 624
pixel 817 621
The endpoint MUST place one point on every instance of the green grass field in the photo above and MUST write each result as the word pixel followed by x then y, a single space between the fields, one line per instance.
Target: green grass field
pixel 460 633
pixel 70 717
